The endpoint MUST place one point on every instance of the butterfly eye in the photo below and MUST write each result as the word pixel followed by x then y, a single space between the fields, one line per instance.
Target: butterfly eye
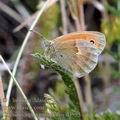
pixel 92 41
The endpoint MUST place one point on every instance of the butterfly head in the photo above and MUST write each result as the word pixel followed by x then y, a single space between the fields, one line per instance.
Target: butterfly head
pixel 48 47
pixel 45 44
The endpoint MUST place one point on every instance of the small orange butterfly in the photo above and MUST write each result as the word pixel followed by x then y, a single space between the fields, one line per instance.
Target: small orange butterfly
pixel 77 51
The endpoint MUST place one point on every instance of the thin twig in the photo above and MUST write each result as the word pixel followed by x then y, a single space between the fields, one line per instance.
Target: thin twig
pixel 20 89
pixel 22 48
pixel 81 15
pixel 27 21
pixel 64 16
pixel 80 97
pixel 2 96
pixel 80 26
pixel 119 55
pixel 88 95
pixel 1 88
pixel 6 115
pixel 11 12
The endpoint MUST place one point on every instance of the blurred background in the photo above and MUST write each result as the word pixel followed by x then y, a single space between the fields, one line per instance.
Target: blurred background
pixel 100 89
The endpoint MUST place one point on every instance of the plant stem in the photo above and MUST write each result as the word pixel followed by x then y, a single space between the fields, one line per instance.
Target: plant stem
pixel 81 15
pixel 80 26
pixel 22 48
pixel 64 16
pixel 77 86
pixel 1 88
pixel 2 96
pixel 12 13
pixel 119 56
pixel 66 76
pixel 20 89
pixel 88 95
pixel 118 8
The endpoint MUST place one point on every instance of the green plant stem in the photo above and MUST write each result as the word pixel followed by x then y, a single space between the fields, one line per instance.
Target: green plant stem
pixel 22 48
pixel 20 89
pixel 73 89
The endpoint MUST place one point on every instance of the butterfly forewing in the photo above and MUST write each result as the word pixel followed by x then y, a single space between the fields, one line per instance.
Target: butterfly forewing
pixel 101 40
pixel 98 38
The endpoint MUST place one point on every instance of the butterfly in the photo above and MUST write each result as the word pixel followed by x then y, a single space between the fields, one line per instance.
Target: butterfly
pixel 77 52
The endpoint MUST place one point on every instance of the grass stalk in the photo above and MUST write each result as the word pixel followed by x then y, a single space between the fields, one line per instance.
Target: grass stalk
pixel 64 16
pixel 119 56
pixel 80 97
pixel 2 96
pixel 22 48
pixel 81 15
pixel 20 89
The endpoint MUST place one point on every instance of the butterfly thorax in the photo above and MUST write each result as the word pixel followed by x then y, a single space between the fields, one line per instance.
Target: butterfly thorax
pixel 49 49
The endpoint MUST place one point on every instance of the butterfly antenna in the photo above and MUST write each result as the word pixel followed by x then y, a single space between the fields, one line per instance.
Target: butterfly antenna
pixel 34 31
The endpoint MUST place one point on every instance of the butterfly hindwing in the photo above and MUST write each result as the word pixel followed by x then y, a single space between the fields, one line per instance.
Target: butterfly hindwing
pixel 77 56
pixel 65 54
pixel 87 57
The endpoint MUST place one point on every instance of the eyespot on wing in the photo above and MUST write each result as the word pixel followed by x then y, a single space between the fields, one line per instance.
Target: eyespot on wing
pixel 101 40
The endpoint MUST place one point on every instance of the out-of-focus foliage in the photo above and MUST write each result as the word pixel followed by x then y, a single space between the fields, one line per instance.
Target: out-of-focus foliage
pixel 108 116
pixel 31 4
pixel 111 29
pixel 111 25
pixel 113 10
pixel 51 104
pixel 53 111
pixel 49 21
